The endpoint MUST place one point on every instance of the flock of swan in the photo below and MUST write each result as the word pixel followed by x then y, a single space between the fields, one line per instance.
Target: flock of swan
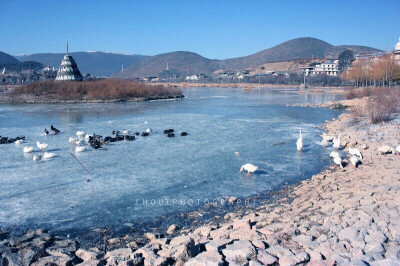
pixel 82 141
pixel 354 153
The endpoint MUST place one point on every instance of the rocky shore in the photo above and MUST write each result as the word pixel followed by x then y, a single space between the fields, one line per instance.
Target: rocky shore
pixel 346 216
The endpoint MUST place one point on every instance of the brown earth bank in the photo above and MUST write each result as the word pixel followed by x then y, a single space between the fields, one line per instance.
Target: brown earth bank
pixel 109 90
pixel 341 216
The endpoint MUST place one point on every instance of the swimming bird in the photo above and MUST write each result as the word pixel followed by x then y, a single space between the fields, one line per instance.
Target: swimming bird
pixel 237 153
pixel 149 130
pixel 354 160
pixel 18 141
pixel 398 150
pixel 80 149
pixel 334 154
pixel 184 133
pixel 338 160
pixel 80 134
pixel 46 132
pixel 250 168
pixel 28 149
pixel 355 151
pixel 299 142
pixel 125 132
pixel 37 158
pixel 336 141
pixel 42 146
pixel 49 155
pixel 386 149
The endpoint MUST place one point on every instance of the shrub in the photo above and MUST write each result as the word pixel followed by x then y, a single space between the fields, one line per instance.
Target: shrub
pixel 383 104
pixel 109 89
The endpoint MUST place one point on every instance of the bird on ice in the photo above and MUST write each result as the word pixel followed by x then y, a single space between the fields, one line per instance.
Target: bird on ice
pixel 49 155
pixel 80 149
pixel 250 168
pixel 28 149
pixel 42 146
pixel 80 134
pixel 37 158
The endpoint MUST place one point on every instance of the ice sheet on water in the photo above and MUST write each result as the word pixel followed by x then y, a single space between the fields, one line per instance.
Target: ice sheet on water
pixel 130 176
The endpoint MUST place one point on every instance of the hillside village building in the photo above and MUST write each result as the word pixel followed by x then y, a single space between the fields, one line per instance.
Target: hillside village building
pixel 68 69
pixel 330 68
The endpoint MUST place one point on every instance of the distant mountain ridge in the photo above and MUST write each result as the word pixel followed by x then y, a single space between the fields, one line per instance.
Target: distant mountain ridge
pixel 95 63
pixel 188 63
pixel 6 58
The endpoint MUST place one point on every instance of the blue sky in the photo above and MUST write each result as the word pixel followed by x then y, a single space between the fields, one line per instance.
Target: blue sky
pixel 215 29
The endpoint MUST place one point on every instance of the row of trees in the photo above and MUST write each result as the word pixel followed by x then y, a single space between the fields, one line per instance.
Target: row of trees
pixel 377 71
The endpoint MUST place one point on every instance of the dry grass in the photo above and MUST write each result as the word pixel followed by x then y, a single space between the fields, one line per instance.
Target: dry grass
pixel 382 103
pixel 109 89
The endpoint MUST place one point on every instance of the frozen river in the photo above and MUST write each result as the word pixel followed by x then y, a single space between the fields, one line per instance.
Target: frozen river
pixel 155 175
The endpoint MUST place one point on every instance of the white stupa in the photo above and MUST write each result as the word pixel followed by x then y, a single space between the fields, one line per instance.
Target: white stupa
pixel 68 69
pixel 397 47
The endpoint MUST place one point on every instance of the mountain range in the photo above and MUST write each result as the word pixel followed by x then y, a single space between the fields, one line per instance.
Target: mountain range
pixel 6 58
pixel 187 63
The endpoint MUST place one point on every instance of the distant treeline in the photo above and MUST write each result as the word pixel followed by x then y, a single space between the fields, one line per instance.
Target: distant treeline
pixel 291 79
pixel 21 66
pixel 109 89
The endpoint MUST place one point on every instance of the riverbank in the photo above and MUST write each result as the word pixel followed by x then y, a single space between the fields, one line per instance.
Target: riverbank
pixel 337 216
pixel 245 86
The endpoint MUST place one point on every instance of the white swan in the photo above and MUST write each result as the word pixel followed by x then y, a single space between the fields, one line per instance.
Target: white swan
pixel 250 168
pixel 354 160
pixel 28 149
pixel 37 158
pixel 80 149
pixel 74 141
pixel 299 142
pixel 42 146
pixel 338 160
pixel 49 155
pixel 356 152
pixel 386 149
pixel 334 154
pixel 149 130
pixel 125 132
pixel 19 141
pixel 328 138
pixel 336 141
pixel 80 134
pixel 324 142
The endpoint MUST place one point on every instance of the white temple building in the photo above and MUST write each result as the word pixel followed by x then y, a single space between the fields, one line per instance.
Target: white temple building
pixel 68 69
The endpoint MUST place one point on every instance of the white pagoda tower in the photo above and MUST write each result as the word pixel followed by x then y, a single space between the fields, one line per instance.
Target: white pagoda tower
pixel 68 69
